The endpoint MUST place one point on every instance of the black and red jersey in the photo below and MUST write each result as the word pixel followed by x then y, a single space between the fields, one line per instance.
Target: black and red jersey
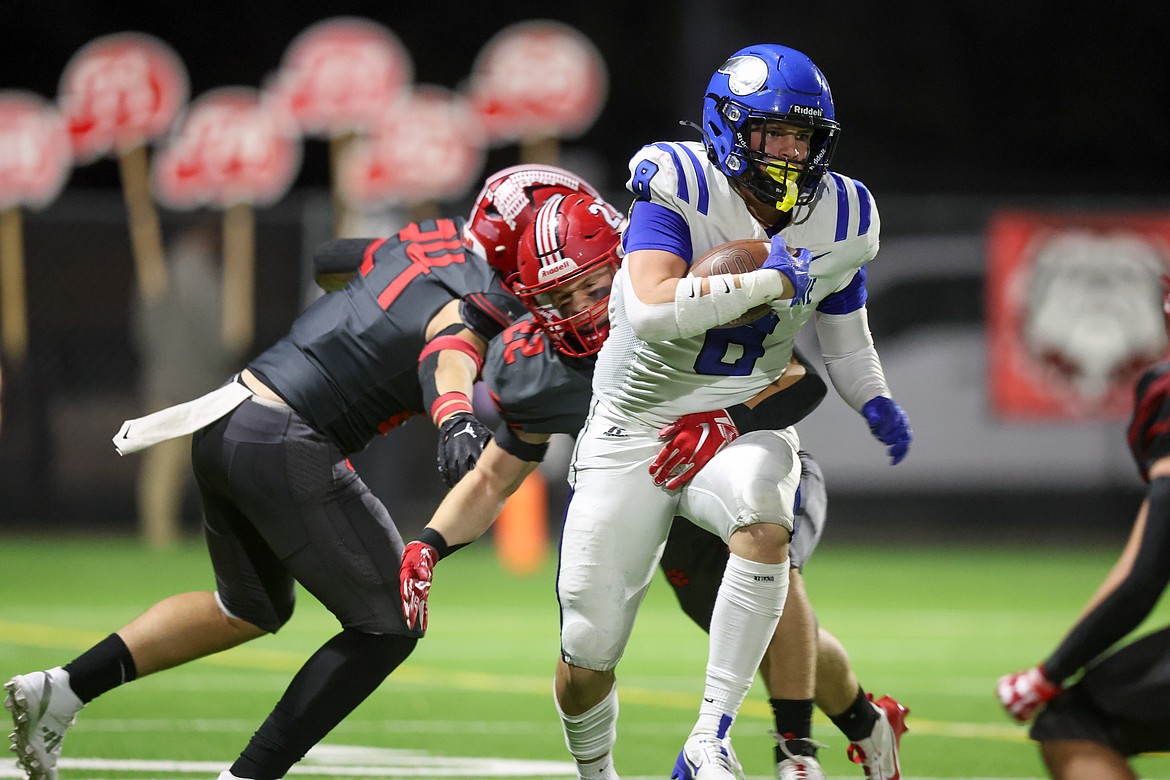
pixel 1149 428
pixel 536 388
pixel 349 364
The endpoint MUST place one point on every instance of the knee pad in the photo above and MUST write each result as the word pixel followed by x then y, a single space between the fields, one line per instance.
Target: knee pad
pixel 752 480
pixel 584 646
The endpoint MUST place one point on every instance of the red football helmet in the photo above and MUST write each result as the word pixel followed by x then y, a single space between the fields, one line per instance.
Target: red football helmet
pixel 567 258
pixel 506 205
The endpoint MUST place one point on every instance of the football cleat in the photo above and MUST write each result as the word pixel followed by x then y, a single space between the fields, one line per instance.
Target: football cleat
pixel 796 759
pixel 43 707
pixel 706 757
pixel 878 753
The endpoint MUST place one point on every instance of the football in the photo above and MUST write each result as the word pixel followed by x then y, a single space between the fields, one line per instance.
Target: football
pixel 735 257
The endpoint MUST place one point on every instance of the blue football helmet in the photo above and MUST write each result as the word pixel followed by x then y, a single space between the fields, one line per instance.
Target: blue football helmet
pixel 762 83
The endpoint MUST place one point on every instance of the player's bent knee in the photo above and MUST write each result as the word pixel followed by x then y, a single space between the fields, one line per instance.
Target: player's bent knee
pixel 585 647
pixel 764 542
pixel 766 503
pixel 267 619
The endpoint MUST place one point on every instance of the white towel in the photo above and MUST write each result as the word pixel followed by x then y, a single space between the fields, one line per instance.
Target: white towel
pixel 179 420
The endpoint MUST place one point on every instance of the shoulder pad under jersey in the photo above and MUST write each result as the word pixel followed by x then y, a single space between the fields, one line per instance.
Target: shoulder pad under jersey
pixel 488 313
pixel 843 227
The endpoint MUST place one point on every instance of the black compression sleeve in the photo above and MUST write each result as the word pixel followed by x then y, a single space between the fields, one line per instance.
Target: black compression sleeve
pixel 1133 600
pixel 517 447
pixel 788 407
pixel 779 410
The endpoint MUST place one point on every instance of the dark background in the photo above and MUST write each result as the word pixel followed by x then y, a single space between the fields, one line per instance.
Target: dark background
pixel 1023 97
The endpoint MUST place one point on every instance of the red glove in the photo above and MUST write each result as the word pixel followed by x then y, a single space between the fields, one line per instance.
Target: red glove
pixel 1023 693
pixel 415 575
pixel 693 440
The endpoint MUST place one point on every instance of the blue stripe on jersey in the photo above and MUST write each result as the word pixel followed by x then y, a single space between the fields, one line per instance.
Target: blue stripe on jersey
pixel 863 201
pixel 842 207
pixel 704 193
pixel 653 226
pixel 850 299
pixel 684 194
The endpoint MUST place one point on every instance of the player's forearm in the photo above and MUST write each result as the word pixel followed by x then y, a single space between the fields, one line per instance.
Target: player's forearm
pixel 662 303
pixel 447 370
pixel 701 304
pixel 1128 594
pixel 780 405
pixel 467 511
pixel 471 507
pixel 455 374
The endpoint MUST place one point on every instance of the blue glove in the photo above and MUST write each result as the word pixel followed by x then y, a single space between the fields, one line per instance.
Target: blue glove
pixel 795 268
pixel 889 425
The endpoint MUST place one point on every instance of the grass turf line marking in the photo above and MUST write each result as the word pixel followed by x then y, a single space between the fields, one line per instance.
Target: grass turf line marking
pixel 484 682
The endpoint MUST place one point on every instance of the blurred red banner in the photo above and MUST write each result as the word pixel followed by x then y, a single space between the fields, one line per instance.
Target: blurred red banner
pixel 427 146
pixel 538 79
pixel 233 145
pixel 338 75
pixel 35 157
pixel 119 92
pixel 1074 311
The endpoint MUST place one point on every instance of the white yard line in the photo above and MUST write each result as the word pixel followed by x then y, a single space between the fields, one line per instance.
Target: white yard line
pixel 167 770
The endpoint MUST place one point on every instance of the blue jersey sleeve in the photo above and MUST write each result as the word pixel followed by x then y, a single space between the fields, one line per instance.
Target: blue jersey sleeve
pixel 851 298
pixel 656 227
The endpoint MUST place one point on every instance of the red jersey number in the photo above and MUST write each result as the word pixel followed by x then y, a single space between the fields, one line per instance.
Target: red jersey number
pixel 523 337
pixel 444 240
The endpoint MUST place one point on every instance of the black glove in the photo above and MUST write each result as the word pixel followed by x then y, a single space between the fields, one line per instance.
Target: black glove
pixel 461 442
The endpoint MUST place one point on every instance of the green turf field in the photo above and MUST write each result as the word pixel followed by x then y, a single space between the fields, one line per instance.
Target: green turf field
pixel 934 627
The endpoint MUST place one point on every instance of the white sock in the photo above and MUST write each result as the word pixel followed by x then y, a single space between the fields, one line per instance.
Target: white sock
pixel 591 735
pixel 747 609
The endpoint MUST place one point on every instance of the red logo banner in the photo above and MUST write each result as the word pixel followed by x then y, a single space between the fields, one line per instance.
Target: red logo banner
pixel 1074 311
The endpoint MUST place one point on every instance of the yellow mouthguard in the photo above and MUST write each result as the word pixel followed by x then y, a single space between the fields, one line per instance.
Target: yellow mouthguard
pixel 786 175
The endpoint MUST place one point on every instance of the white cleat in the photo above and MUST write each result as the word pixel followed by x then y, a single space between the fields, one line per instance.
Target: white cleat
pixel 796 764
pixel 43 707
pixel 706 757
pixel 878 753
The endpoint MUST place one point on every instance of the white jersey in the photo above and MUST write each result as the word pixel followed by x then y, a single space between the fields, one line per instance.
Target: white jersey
pixel 656 383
